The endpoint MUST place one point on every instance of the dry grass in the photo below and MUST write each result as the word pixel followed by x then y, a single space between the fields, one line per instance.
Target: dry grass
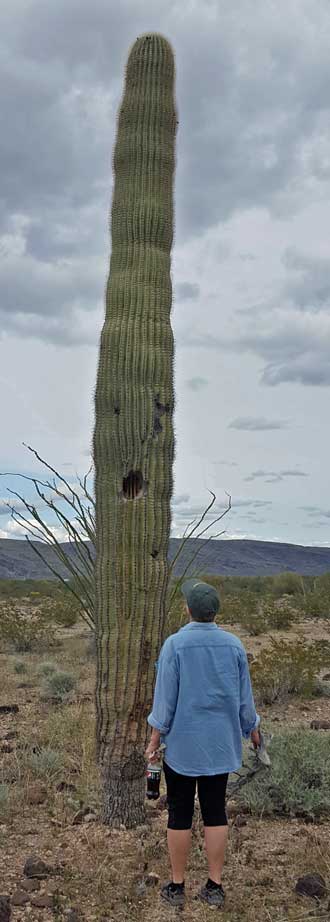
pixel 99 869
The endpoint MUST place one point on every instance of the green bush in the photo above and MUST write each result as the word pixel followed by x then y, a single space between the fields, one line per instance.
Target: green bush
pixel 4 799
pixel 23 632
pixel 19 667
pixel 285 669
pixel 65 611
pixel 58 686
pixel 46 669
pixel 317 604
pixel 298 781
pixel 279 616
pixel 44 764
pixel 257 614
pixel 26 588
pixel 287 584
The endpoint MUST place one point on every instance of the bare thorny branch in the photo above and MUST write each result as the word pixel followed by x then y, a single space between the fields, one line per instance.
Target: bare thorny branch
pixel 81 530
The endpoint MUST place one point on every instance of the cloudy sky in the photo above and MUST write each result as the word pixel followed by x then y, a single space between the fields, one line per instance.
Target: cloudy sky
pixel 251 267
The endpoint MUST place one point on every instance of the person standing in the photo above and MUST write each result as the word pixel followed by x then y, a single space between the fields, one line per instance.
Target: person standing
pixel 203 704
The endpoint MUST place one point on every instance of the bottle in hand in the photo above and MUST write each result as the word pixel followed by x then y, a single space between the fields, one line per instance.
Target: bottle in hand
pixel 154 770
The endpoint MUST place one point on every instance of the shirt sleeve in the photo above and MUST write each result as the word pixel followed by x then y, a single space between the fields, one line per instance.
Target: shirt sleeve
pixel 166 690
pixel 249 719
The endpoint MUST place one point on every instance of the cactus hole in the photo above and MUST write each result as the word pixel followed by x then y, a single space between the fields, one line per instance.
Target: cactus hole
pixel 133 485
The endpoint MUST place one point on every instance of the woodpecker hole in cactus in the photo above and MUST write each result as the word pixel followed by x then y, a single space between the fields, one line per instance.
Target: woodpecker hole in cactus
pixel 133 486
pixel 160 409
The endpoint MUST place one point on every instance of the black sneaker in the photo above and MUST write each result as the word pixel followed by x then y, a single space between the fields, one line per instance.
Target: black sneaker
pixel 173 895
pixel 214 896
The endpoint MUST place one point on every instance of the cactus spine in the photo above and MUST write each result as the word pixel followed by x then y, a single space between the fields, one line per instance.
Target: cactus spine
pixel 133 442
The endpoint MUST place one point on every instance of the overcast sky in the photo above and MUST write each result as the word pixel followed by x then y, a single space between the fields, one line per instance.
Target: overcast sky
pixel 251 269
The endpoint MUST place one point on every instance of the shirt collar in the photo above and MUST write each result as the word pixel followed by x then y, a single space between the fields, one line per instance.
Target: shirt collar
pixel 205 625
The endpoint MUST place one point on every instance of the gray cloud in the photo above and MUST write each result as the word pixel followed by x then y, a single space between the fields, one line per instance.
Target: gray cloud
pixel 308 283
pixel 294 345
pixel 196 384
pixel 274 476
pixel 245 148
pixel 219 507
pixel 257 424
pixel 181 498
pixel 316 511
pixel 187 291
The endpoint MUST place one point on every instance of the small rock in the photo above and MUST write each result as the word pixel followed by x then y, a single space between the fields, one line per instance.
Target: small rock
pixel 19 898
pixel 5 910
pixel 43 901
pixel 320 725
pixel 52 886
pixel 37 794
pixel 30 884
pixel 72 915
pixel 312 885
pixel 35 867
pixel 152 879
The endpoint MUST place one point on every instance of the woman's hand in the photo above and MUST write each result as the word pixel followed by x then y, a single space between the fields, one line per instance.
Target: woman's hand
pixel 152 751
pixel 255 737
pixel 151 754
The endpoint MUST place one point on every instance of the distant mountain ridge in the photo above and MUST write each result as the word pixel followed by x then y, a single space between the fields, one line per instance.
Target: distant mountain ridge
pixel 228 558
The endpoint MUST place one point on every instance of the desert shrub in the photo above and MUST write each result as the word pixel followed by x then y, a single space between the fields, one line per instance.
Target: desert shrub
pixel 243 609
pixel 298 780
pixel 23 632
pixel 58 686
pixel 322 648
pixel 46 668
pixel 65 611
pixel 19 666
pixel 279 616
pixel 255 623
pixel 285 669
pixel 287 584
pixel 322 583
pixel 317 604
pixel 24 588
pixel 4 799
pixel 44 763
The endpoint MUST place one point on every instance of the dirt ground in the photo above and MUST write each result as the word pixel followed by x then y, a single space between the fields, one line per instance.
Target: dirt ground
pixel 102 874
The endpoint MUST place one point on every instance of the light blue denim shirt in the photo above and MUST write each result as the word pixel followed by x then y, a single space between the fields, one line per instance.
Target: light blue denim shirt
pixel 203 700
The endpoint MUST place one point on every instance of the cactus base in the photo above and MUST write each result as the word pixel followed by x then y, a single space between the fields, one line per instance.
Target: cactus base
pixel 123 797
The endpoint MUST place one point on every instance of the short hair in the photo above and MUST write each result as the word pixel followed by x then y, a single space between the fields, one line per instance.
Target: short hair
pixel 204 619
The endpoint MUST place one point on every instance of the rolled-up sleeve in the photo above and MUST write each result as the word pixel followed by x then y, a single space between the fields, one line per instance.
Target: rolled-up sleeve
pixel 249 719
pixel 166 689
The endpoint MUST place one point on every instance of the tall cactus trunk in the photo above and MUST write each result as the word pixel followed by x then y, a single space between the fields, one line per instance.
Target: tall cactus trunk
pixel 133 442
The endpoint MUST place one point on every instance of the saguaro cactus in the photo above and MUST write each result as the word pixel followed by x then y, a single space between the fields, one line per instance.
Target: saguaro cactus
pixel 133 443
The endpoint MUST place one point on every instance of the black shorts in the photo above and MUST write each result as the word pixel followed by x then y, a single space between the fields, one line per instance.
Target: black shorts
pixel 181 791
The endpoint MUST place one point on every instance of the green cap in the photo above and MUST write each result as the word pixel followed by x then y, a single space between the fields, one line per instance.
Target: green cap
pixel 202 599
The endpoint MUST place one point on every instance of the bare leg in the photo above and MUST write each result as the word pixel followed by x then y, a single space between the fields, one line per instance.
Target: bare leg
pixel 179 841
pixel 215 844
